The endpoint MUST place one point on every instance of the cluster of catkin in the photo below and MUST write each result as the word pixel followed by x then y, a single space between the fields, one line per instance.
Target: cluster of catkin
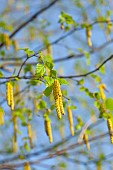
pixel 88 35
pixel 48 130
pixel 9 95
pixel 70 118
pixel 58 98
pixel 110 128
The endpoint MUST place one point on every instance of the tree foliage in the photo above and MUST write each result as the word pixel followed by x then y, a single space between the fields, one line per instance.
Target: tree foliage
pixel 56 102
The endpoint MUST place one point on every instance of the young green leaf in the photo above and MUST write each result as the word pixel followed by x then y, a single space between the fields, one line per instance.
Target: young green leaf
pixel 1 74
pixel 48 91
pixel 102 70
pixel 49 65
pixel 109 104
pixel 62 81
pixel 49 80
pixel 53 73
pixel 40 70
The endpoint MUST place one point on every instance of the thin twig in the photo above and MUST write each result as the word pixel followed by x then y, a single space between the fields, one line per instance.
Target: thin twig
pixel 88 73
pixel 30 19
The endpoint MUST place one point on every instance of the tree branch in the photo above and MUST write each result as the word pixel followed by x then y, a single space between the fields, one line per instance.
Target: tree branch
pixel 48 149
pixel 70 76
pixel 82 54
pixel 30 19
pixel 57 153
pixel 88 73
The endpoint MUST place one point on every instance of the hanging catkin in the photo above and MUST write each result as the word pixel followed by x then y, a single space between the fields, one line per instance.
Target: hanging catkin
pixel 88 35
pixel 15 44
pixel 15 146
pixel 6 41
pixel 70 118
pixel 29 130
pixel 61 105
pixel 9 95
pixel 85 138
pixel 101 88
pixel 27 166
pixel 57 105
pixel 45 126
pixel 48 130
pixel 1 116
pixel 110 128
pixel 58 98
pixel 15 127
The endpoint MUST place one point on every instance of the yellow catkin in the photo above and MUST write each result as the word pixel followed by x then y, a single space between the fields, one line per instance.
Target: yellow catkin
pixel 45 126
pixel 61 105
pixel 11 97
pixel 89 42
pixel 6 41
pixel 110 128
pixel 58 108
pixel 58 98
pixel 15 127
pixel 49 130
pixel 1 116
pixel 48 49
pixel 109 26
pixel 85 138
pixel 61 128
pixel 27 166
pixel 99 166
pixel 88 34
pixel 8 93
pixel 56 89
pixel 29 130
pixel 62 26
pixel 15 44
pixel 15 146
pixel 101 88
pixel 70 118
